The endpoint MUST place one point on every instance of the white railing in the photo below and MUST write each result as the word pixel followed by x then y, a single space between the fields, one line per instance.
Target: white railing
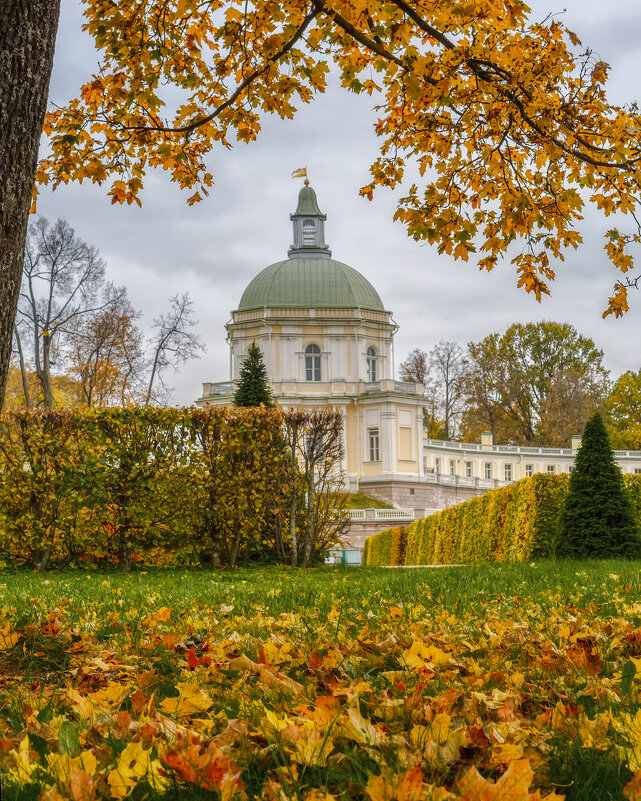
pixel 218 388
pixel 404 386
pixel 393 514
pixel 476 446
pixel 464 481
pixel 381 514
pixel 390 515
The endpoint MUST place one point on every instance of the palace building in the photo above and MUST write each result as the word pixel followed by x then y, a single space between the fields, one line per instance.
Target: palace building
pixel 328 341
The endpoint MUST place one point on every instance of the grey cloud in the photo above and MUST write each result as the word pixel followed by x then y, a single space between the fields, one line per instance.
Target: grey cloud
pixel 214 248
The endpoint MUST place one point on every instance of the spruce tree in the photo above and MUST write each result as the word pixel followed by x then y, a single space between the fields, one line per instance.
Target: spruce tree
pixel 597 519
pixel 253 384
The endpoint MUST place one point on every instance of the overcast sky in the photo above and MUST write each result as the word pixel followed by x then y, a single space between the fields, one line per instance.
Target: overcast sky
pixel 213 249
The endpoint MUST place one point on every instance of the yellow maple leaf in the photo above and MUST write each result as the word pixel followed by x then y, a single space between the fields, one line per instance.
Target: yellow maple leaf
pixel 406 786
pixel 133 765
pixel 360 729
pixel 24 767
pixel 8 637
pixel 438 730
pixel 420 654
pixel 62 765
pixel 311 747
pixel 111 695
pixel 192 700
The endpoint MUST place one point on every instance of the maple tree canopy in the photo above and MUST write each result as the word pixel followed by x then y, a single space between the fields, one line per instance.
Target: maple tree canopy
pixel 507 120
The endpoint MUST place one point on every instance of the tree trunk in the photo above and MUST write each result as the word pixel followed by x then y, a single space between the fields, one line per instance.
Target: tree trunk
pixel 292 520
pixel 45 373
pixel 23 372
pixel 123 527
pixel 310 533
pixel 27 39
pixel 235 548
pixel 45 556
pixel 294 488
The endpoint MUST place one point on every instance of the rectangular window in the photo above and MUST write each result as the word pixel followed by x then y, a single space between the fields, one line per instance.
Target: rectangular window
pixel 508 472
pixel 550 469
pixel 452 467
pixel 488 469
pixel 570 468
pixel 637 471
pixel 374 444
pixel 529 469
pixel 437 465
pixel 468 469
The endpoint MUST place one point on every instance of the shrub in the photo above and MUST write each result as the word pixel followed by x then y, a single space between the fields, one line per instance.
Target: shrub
pixel 511 524
pixel 597 518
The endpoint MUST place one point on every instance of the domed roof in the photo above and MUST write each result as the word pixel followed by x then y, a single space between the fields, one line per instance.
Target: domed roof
pixel 310 283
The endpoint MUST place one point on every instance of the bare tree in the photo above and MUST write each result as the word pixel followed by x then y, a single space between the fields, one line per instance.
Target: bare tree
pixel 447 367
pixel 441 373
pixel 62 277
pixel 175 343
pixel 415 368
pixel 315 442
pixel 105 351
pixel 320 449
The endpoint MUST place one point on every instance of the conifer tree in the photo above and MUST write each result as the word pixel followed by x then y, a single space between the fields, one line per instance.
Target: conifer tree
pixel 597 519
pixel 253 384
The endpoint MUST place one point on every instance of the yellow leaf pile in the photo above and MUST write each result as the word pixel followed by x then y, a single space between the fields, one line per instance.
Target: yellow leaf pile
pixel 428 705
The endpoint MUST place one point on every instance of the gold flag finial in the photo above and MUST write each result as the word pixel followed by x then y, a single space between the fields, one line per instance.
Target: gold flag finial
pixel 300 173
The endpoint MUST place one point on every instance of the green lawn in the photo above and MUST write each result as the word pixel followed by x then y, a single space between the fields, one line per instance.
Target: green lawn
pixel 274 590
pixel 366 684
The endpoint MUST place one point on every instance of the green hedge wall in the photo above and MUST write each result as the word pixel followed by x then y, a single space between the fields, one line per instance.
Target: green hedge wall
pixel 386 548
pixel 510 524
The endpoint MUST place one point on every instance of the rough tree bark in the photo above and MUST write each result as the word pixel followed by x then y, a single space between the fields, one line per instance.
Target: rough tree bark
pixel 27 40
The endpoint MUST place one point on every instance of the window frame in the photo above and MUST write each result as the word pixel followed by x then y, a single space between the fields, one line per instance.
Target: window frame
pixel 308 228
pixel 488 471
pixel 374 444
pixel 313 354
pixel 372 364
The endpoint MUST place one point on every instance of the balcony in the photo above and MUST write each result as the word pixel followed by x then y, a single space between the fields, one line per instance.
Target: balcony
pixel 218 388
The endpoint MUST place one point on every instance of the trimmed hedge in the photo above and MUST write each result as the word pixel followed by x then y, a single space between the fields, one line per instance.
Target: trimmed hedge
pixel 511 524
pixel 386 548
pixel 156 486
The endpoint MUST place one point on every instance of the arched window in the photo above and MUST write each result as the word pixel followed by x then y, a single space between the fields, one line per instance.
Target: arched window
pixel 309 233
pixel 312 363
pixel 372 371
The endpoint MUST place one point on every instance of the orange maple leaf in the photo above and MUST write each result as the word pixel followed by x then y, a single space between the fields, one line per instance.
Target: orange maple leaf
pixel 206 767
pixel 513 785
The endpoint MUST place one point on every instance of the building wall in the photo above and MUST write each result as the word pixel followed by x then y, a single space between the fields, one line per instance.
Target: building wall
pixel 410 494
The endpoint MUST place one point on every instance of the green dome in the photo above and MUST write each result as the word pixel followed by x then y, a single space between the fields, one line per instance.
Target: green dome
pixel 313 283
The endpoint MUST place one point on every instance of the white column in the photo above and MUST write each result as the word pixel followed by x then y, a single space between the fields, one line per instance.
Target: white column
pixel 388 437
